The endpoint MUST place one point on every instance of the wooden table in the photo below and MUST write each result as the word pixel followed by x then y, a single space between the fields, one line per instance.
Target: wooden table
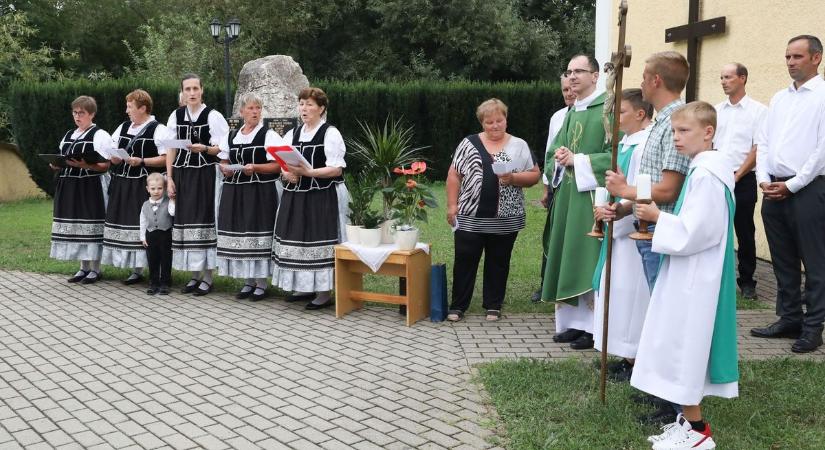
pixel 414 265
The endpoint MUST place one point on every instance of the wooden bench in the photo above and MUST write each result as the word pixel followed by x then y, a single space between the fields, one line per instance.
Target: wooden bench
pixel 414 265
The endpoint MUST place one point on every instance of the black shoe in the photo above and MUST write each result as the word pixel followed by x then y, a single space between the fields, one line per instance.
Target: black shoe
pixel 199 291
pixel 536 297
pixel 584 342
pixel 299 298
pixel 92 277
pixel 567 336
pixel 258 296
pixel 622 371
pixel 808 342
pixel 245 294
pixel 164 290
pixel 778 329
pixel 190 286
pixel 662 416
pixel 152 290
pixel 748 291
pixel 81 274
pixel 313 306
pixel 134 278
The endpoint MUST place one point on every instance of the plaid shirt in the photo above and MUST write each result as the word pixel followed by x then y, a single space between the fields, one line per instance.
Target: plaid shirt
pixel 660 152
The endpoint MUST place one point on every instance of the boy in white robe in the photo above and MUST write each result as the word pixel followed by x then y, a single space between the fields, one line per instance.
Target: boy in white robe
pixel 629 293
pixel 688 343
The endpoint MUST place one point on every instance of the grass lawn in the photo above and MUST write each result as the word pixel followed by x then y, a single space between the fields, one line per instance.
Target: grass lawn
pixel 555 405
pixel 25 228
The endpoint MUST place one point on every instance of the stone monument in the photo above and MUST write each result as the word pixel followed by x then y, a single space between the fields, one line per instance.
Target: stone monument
pixel 277 80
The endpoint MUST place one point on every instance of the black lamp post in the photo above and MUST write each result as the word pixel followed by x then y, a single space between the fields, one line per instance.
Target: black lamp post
pixel 233 29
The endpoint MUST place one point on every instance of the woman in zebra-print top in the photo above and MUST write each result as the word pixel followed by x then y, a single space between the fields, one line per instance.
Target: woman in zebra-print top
pixel 485 207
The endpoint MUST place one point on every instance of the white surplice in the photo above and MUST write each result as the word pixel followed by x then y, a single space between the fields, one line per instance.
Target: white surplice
pixel 629 293
pixel 674 349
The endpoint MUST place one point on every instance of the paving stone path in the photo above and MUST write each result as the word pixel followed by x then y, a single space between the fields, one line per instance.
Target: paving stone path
pixel 105 366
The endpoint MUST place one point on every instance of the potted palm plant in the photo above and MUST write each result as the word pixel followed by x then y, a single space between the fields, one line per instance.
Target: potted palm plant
pixel 380 149
pixel 412 197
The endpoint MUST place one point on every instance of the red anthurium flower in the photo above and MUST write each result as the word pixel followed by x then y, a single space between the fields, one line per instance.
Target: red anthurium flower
pixel 399 171
pixel 418 167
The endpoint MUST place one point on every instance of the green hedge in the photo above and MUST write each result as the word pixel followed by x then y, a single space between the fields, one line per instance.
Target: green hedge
pixel 441 112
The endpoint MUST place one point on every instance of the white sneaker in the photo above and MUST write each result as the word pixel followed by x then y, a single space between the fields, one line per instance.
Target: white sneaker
pixel 668 430
pixel 687 438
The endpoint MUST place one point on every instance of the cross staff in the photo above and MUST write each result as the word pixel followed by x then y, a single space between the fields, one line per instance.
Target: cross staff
pixel 618 61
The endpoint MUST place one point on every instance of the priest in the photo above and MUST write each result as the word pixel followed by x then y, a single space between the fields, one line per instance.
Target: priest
pixel 581 156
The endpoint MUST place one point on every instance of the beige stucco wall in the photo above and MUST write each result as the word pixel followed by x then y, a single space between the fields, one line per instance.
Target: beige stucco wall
pixel 756 36
pixel 15 181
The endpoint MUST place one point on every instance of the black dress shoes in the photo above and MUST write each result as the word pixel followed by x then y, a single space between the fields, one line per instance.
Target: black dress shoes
pixel 152 290
pixel 134 278
pixel 299 298
pixel 201 291
pixel 313 306
pixel 584 342
pixel 164 290
pixel 258 295
pixel 807 342
pixel 190 286
pixel 81 274
pixel 567 336
pixel 92 277
pixel 778 329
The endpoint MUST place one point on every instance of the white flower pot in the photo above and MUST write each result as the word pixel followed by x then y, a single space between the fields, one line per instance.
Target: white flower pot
pixel 388 232
pixel 370 237
pixel 354 233
pixel 406 239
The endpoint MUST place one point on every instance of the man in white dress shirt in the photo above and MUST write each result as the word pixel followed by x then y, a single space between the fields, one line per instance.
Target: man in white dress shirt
pixel 556 121
pixel 790 170
pixel 739 118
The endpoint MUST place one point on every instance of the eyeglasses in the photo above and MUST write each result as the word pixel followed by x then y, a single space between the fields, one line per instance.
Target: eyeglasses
pixel 577 72
pixel 79 113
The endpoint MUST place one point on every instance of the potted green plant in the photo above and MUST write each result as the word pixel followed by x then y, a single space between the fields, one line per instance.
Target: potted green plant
pixel 362 187
pixel 370 234
pixel 411 197
pixel 380 149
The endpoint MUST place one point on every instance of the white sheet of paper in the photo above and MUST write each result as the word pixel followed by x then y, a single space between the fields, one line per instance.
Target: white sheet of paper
pixel 174 143
pixel 120 153
pixel 234 167
pixel 500 168
pixel 294 158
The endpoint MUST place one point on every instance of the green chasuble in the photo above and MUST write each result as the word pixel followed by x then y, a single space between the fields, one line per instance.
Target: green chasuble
pixel 571 255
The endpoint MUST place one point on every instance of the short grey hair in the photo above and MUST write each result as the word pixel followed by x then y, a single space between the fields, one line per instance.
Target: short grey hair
pixel 250 97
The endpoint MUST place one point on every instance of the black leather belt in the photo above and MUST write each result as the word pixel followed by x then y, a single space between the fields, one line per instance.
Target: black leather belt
pixel 779 179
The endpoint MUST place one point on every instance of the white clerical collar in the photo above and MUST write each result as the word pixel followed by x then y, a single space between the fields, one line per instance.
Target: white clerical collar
pixel 635 138
pixel 582 104
pixel 810 85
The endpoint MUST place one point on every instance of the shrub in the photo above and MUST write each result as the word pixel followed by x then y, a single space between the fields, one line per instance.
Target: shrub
pixel 440 113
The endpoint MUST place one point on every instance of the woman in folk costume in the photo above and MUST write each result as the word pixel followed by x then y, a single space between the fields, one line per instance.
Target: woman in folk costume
pixel 191 182
pixel 122 246
pixel 688 344
pixel 80 196
pixel 629 293
pixel 313 207
pixel 249 201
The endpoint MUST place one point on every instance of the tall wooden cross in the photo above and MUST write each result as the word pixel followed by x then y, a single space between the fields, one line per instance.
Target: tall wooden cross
pixel 692 33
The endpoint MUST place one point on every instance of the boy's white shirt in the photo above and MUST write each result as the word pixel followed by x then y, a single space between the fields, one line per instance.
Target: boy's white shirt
pixel 674 349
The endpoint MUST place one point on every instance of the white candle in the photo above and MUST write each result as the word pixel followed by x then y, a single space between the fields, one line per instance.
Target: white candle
pixel 643 187
pixel 602 197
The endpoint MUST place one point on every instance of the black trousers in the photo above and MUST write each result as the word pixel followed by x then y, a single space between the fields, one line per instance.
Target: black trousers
pixel 497 249
pixel 745 193
pixel 159 254
pixel 794 228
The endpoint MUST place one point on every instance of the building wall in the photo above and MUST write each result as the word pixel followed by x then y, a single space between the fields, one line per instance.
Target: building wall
pixel 757 32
